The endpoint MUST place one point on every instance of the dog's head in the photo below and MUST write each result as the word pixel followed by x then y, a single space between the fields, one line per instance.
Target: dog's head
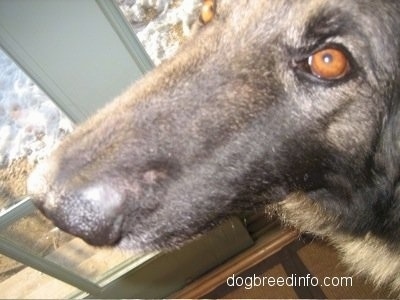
pixel 269 98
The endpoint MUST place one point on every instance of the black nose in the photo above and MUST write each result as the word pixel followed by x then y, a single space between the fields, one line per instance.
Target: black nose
pixel 95 229
pixel 93 212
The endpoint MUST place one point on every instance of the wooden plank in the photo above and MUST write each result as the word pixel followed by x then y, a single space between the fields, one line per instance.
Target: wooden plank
pixel 269 244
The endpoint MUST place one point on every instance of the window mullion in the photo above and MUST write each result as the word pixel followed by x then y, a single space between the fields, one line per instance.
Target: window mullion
pixel 32 260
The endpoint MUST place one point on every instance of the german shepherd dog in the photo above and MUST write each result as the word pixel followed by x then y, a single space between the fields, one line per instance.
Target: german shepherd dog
pixel 290 104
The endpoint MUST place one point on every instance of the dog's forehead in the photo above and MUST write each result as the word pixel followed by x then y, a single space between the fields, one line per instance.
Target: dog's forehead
pixel 286 17
pixel 293 16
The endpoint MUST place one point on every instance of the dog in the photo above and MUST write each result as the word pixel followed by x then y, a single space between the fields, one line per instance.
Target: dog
pixel 285 104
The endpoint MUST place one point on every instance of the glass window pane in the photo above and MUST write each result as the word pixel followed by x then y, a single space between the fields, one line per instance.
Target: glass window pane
pixel 22 282
pixel 30 127
pixel 39 236
pixel 8 268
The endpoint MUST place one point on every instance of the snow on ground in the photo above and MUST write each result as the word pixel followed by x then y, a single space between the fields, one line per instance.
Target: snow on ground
pixel 31 125
pixel 160 37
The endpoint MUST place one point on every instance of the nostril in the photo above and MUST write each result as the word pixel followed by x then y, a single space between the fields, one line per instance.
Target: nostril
pixel 40 203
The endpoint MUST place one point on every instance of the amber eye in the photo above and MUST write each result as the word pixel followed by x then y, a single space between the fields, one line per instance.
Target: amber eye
pixel 329 64
pixel 207 11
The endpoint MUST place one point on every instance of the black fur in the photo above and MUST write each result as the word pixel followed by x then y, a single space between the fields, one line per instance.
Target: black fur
pixel 237 121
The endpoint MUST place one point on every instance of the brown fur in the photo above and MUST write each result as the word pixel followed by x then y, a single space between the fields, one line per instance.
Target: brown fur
pixel 239 119
pixel 366 255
